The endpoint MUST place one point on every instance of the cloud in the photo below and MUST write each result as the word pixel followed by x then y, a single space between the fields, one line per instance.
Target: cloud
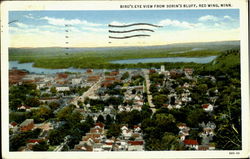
pixel 29 16
pixel 21 25
pixel 63 22
pixel 176 23
pixel 228 18
pixel 208 18
pixel 117 23
pixel 94 29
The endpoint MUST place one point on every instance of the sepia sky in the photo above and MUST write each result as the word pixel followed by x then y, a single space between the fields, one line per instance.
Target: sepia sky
pixel 90 28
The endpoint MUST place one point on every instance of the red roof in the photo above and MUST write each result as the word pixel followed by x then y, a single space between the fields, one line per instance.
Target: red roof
pixel 24 106
pixel 205 105
pixel 135 142
pixel 136 126
pixel 34 140
pixel 110 78
pixel 182 124
pixel 89 70
pixel 62 75
pixel 190 142
pixel 99 124
pixel 13 123
pixel 109 143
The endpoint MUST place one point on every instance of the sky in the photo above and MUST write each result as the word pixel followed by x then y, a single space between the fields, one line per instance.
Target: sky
pixel 89 28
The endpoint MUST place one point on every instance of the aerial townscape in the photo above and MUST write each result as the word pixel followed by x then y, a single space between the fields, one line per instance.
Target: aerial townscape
pixel 125 109
pixel 124 80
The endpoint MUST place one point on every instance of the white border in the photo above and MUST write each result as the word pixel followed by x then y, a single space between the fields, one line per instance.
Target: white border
pixel 114 5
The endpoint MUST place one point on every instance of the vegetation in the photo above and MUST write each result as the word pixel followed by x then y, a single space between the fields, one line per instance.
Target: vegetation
pixel 100 59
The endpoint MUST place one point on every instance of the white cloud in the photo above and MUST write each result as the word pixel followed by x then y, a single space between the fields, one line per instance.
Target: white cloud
pixel 117 23
pixel 94 29
pixel 29 16
pixel 21 25
pixel 228 17
pixel 208 18
pixel 176 23
pixel 63 22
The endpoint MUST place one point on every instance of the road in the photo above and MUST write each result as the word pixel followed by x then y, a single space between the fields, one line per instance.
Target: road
pixel 89 92
pixel 59 147
pixel 149 96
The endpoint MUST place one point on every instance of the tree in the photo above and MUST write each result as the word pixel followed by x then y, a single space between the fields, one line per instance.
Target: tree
pixel 166 122
pixel 125 76
pixel 64 113
pixel 170 142
pixel 53 90
pixel 42 146
pixel 114 131
pixel 108 121
pixel 100 119
pixel 159 100
pixel 196 116
pixel 89 120
pixel 32 101
pixel 55 137
pixel 54 105
pixel 42 114
pixel 17 141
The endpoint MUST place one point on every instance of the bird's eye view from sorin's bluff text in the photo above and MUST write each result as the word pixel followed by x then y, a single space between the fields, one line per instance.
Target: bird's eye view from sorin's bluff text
pixel 132 80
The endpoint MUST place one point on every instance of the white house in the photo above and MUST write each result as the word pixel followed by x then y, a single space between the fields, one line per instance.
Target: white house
pixel 135 145
pixel 62 88
pixel 76 81
pixel 208 107
pixel 191 143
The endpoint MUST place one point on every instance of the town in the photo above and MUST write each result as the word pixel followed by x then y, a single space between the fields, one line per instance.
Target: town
pixel 114 110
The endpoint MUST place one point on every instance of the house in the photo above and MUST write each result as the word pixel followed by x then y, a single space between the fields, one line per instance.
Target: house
pixel 24 107
pixel 93 78
pixel 89 71
pixel 15 76
pixel 188 71
pixel 137 128
pixel 83 147
pixel 135 145
pixel 191 143
pixel 60 88
pixel 203 147
pixel 114 73
pixel 48 99
pixel 62 75
pixel 184 131
pixel 76 81
pixel 107 146
pixel 12 125
pixel 27 125
pixel 208 107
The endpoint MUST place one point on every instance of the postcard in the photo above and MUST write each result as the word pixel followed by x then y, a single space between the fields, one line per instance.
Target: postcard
pixel 125 79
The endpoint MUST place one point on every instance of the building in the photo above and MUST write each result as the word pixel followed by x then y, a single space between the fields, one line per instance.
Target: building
pixel 208 107
pixel 193 144
pixel 76 81
pixel 162 68
pixel 135 145
pixel 62 89
pixel 27 125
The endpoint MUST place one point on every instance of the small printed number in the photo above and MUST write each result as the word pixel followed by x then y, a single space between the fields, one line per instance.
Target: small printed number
pixel 233 153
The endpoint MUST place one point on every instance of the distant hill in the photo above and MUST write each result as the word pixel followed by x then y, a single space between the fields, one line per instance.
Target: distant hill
pixel 219 46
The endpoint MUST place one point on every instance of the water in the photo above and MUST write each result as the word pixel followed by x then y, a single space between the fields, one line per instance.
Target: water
pixel 30 68
pixel 168 59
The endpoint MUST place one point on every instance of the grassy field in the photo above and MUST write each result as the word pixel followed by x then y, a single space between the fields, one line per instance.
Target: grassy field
pixel 100 58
